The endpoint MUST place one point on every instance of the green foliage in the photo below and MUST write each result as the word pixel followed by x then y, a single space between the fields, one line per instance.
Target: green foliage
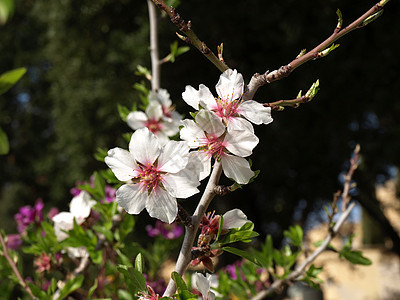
pixel 311 277
pixel 243 234
pixel 134 279
pixel 353 256
pixel 10 78
pixel 6 10
pixel 295 235
pixel 183 292
pixel 71 285
pixel 4 144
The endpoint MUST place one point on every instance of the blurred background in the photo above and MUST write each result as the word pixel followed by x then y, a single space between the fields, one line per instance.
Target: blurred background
pixel 81 58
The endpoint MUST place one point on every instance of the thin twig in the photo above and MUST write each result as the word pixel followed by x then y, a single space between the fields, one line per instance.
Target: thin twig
pixel 190 37
pixel 155 62
pixel 185 254
pixel 354 162
pixel 300 269
pixel 14 267
pixel 259 80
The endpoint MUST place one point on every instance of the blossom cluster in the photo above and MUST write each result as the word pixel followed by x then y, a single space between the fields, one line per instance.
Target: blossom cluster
pixel 158 171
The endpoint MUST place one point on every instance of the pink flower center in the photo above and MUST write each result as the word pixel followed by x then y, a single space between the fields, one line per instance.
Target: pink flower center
pixel 149 178
pixel 227 108
pixel 153 125
pixel 214 146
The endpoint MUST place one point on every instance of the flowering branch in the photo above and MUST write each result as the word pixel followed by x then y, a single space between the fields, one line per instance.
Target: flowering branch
pixel 14 267
pixel 185 254
pixel 321 50
pixel 155 62
pixel 190 37
pixel 300 269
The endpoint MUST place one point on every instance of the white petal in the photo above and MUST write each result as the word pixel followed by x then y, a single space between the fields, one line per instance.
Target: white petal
pixel 240 142
pixel 201 284
pixel 162 138
pixel 239 124
pixel 234 218
pixel 144 146
pixel 230 85
pixel 169 127
pixel 77 252
pixel 164 98
pixel 193 97
pixel 162 205
pixel 210 123
pixel 181 185
pixel 192 134
pixel 255 112
pixel 236 168
pixel 122 163
pixel 200 164
pixel 80 206
pixel 64 221
pixel 136 119
pixel 174 157
pixel 131 198
pixel 154 110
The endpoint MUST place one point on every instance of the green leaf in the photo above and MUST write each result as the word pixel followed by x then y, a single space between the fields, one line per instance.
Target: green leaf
pixel 99 185
pixel 139 262
pixel 4 144
pixel 243 234
pixel 8 79
pixel 123 112
pixel 180 283
pixel 124 295
pixel 356 257
pixel 134 279
pixel 295 235
pixel 221 223
pixel 245 254
pixel 100 154
pixel 126 226
pixel 93 288
pixel 37 292
pixel 71 285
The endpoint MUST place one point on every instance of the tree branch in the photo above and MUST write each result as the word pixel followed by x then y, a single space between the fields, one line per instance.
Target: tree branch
pixel 14 267
pixel 185 254
pixel 190 37
pixel 321 50
pixel 300 269
pixel 155 62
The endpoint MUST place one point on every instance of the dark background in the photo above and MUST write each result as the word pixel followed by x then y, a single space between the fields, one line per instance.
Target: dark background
pixel 81 58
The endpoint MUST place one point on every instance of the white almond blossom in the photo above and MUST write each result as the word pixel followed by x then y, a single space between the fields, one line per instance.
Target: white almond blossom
pixel 155 175
pixel 159 117
pixel 80 208
pixel 208 134
pixel 203 285
pixel 229 106
pixel 234 218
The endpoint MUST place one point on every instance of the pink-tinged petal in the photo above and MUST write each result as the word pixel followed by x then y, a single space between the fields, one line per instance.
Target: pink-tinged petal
pixel 136 119
pixel 154 110
pixel 210 123
pixel 192 134
pixel 194 97
pixel 240 142
pixel 161 205
pixel 181 185
pixel 174 157
pixel 255 112
pixel 236 168
pixel 144 146
pixel 169 127
pixel 122 163
pixel 131 198
pixel 200 164
pixel 239 124
pixel 230 85
pixel 234 218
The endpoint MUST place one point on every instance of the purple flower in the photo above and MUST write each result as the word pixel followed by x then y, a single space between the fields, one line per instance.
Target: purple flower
pixel 110 194
pixel 168 231
pixel 28 215
pixel 52 212
pixel 14 241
